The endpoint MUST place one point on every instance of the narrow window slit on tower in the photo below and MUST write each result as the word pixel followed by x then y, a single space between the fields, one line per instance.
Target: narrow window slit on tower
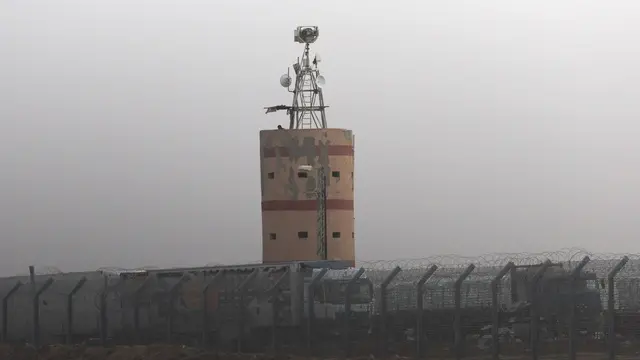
pixel 271 175
pixel 302 174
pixel 336 235
pixel 303 234
pixel 335 174
pixel 272 236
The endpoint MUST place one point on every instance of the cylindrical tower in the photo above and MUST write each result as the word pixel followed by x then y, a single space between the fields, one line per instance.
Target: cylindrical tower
pixel 290 207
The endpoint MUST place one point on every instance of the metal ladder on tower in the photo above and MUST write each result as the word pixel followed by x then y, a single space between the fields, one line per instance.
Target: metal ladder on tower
pixel 306 97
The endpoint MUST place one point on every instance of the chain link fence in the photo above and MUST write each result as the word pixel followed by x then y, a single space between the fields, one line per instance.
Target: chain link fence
pixel 569 303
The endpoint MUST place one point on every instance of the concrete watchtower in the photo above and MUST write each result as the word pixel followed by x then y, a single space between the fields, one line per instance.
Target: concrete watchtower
pixel 307 173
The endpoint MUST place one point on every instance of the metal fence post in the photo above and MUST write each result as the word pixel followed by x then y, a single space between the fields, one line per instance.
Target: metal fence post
pixel 136 306
pixel 573 321
pixel 206 340
pixel 513 285
pixel 420 305
pixel 347 311
pixel 104 329
pixel 36 312
pixel 311 313
pixel 34 307
pixel 173 295
pixel 383 309
pixel 457 324
pixel 273 294
pixel 242 289
pixel 36 304
pixel 5 309
pixel 611 313
pixel 535 317
pixel 495 309
pixel 75 289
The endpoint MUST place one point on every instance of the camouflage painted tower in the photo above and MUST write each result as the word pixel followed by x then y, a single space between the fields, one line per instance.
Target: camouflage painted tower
pixel 307 173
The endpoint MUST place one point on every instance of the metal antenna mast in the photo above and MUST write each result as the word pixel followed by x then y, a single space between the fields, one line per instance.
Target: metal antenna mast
pixel 320 192
pixel 307 108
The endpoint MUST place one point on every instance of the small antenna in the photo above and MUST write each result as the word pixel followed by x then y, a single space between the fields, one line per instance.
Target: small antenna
pixel 285 80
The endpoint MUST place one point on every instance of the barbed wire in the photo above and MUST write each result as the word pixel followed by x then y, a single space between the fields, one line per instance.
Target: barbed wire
pixel 567 255
pixel 449 268
pixel 485 264
pixel 601 263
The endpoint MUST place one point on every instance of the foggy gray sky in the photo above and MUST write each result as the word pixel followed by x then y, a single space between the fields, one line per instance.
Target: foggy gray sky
pixel 129 129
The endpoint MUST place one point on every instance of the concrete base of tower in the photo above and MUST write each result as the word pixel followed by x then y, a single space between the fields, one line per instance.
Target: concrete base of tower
pixel 289 197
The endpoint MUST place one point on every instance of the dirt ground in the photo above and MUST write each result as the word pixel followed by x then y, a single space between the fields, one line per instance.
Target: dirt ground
pixel 169 352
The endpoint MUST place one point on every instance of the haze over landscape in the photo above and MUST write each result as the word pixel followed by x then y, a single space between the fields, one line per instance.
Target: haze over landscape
pixel 129 130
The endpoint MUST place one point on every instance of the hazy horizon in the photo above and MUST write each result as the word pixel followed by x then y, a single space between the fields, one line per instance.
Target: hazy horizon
pixel 129 130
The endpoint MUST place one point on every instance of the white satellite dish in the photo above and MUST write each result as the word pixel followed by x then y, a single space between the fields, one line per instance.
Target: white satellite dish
pixel 321 81
pixel 285 80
